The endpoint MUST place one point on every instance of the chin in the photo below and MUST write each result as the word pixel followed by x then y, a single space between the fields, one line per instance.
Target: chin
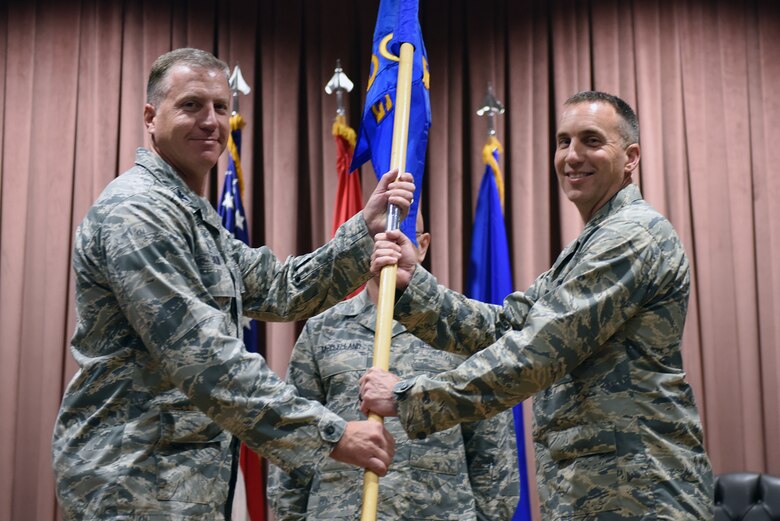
pixel 210 159
pixel 573 195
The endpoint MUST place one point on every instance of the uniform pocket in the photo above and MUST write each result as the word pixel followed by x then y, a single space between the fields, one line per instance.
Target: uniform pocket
pixel 434 361
pixel 222 295
pixel 216 274
pixel 442 453
pixel 335 492
pixel 583 440
pixel 193 459
pixel 582 472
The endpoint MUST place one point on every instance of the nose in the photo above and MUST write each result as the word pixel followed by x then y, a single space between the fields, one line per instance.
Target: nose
pixel 209 117
pixel 574 153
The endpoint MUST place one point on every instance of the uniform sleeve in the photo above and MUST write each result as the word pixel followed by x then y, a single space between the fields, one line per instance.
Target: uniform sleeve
pixel 447 320
pixel 288 497
pixel 491 455
pixel 305 285
pixel 563 327
pixel 179 306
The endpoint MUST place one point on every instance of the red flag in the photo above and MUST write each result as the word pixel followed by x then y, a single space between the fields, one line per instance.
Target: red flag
pixel 252 469
pixel 349 196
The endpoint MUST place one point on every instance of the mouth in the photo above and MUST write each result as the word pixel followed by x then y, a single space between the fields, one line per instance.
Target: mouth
pixel 207 141
pixel 574 176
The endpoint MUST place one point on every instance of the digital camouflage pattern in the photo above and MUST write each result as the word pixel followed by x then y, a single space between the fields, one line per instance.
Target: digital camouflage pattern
pixel 143 430
pixel 597 340
pixel 467 472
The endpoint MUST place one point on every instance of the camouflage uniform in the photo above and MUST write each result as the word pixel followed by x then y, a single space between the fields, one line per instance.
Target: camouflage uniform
pixel 467 472
pixel 597 340
pixel 142 432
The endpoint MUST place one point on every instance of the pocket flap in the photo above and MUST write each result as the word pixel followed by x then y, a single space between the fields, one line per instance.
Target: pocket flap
pixel 582 440
pixel 190 427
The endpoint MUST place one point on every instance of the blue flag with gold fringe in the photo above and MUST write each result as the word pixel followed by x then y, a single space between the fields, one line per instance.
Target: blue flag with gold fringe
pixel 489 274
pixel 490 280
pixel 397 22
pixel 231 208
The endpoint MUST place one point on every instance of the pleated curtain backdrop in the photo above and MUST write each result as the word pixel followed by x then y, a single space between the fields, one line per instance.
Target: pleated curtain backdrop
pixel 702 75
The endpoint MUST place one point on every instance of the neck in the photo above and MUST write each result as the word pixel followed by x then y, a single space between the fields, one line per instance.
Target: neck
pixel 196 181
pixel 586 216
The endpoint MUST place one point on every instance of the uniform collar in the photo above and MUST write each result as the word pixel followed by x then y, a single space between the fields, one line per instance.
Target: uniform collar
pixel 627 195
pixel 168 177
pixel 361 309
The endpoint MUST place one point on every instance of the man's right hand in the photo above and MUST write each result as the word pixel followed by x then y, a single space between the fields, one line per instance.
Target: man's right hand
pixel 393 247
pixel 391 189
pixel 366 444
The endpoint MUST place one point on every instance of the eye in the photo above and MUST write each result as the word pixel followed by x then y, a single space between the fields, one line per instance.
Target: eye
pixel 563 141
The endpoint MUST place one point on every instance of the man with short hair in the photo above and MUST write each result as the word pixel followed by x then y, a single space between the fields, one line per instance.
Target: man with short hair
pixel 465 473
pixel 595 340
pixel 144 429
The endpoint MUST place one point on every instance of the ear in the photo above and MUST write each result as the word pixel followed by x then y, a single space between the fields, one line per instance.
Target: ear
pixel 423 241
pixel 149 114
pixel 633 154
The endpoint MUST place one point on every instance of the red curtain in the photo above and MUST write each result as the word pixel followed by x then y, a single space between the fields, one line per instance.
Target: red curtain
pixel 701 74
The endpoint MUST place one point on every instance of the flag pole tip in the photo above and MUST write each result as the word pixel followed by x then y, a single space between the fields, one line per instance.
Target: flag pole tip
pixel 339 81
pixel 237 81
pixel 490 104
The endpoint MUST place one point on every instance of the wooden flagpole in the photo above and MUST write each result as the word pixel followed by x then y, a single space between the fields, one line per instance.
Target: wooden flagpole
pixel 386 299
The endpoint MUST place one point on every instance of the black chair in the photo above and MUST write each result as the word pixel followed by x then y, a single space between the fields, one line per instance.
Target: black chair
pixel 747 496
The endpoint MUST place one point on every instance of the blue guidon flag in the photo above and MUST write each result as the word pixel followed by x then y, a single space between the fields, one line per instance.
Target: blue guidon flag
pixel 396 23
pixel 490 280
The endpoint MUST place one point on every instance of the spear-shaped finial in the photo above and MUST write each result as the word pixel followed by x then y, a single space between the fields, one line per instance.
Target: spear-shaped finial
pixel 238 84
pixel 339 84
pixel 490 107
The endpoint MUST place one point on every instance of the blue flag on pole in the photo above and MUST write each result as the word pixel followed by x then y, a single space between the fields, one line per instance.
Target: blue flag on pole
pixel 396 23
pixel 231 208
pixel 489 274
pixel 490 280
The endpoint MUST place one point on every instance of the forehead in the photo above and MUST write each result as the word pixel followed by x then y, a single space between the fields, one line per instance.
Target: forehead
pixel 185 80
pixel 588 115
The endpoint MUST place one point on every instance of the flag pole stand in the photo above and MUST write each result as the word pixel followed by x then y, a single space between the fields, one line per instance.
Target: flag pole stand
pixel 386 299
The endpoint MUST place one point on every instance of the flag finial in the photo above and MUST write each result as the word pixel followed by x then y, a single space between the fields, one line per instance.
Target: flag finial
pixel 238 84
pixel 490 107
pixel 339 84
